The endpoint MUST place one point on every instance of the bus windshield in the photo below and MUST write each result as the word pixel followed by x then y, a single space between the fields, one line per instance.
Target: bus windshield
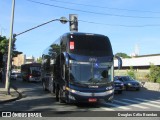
pixel 90 73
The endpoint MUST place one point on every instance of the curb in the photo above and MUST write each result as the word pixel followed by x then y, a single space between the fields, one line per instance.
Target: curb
pixel 13 99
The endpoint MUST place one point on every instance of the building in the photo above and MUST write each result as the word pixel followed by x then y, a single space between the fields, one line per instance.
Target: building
pixel 22 59
pixel 139 62
pixel 30 59
pixel 19 60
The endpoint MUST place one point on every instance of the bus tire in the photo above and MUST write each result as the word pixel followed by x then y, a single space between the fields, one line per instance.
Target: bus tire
pixel 54 88
pixel 60 96
pixel 57 94
pixel 23 80
pixel 44 87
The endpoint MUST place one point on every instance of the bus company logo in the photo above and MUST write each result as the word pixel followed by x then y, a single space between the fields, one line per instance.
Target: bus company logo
pixel 92 59
pixel 91 86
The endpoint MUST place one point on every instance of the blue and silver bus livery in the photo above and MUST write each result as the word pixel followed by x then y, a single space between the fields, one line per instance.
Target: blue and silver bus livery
pixel 79 67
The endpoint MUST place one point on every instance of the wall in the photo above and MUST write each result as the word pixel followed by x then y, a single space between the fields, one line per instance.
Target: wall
pixel 139 61
pixel 152 86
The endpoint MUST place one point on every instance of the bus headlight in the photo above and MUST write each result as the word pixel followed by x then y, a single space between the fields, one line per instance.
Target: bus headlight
pixel 110 91
pixel 71 90
pixel 109 88
pixel 129 84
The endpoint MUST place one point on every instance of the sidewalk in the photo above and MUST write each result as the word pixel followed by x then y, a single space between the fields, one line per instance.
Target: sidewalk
pixel 14 95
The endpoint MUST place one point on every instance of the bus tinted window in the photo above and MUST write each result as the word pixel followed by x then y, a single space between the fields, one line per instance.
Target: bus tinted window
pixel 90 45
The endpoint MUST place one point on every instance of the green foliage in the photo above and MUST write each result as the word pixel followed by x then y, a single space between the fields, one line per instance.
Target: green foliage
pixel 16 53
pixel 3 44
pixel 39 60
pixel 146 77
pixel 131 72
pixel 154 73
pixel 123 55
pixel 3 49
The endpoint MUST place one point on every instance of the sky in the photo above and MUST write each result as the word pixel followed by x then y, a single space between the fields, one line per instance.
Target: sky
pixel 131 25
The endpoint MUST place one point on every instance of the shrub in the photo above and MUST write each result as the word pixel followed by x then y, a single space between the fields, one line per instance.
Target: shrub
pixel 131 72
pixel 154 73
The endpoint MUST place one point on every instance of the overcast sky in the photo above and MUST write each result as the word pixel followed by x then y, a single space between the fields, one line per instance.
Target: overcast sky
pixel 130 24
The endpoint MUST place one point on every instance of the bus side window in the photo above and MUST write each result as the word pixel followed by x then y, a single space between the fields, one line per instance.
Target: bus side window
pixel 63 47
pixel 48 64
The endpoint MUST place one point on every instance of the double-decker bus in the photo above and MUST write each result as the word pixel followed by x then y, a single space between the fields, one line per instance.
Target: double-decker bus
pixel 79 67
pixel 31 72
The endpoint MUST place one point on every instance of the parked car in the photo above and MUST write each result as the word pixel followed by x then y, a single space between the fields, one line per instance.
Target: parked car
pixel 118 86
pixel 15 75
pixel 129 82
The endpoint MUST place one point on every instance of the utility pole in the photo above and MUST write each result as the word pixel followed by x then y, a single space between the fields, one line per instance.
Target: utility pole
pixel 7 85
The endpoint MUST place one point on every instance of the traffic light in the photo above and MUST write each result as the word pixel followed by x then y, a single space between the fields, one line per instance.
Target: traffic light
pixel 73 22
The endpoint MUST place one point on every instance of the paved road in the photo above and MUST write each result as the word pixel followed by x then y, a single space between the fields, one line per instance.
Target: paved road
pixel 35 99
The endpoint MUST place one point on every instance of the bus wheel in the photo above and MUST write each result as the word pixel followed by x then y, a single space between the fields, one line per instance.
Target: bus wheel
pixel 23 80
pixel 57 94
pixel 54 88
pixel 44 87
pixel 60 96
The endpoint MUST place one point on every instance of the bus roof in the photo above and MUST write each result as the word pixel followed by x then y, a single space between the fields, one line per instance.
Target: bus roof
pixel 81 33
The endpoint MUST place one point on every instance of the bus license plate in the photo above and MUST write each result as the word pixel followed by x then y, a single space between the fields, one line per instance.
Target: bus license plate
pixel 92 100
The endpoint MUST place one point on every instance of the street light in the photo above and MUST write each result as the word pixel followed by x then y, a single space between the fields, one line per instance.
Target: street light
pixel 12 36
pixel 62 20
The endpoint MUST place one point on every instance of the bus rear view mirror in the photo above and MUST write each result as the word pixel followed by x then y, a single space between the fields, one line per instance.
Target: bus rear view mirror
pixel 119 62
pixel 67 59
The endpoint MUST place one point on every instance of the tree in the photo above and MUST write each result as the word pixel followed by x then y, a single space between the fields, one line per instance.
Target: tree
pixel 1 60
pixel 131 72
pixel 123 55
pixel 39 60
pixel 15 53
pixel 3 49
pixel 154 75
pixel 4 42
pixel 3 45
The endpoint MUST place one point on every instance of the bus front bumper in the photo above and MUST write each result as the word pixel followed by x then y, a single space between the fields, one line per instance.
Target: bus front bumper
pixel 90 97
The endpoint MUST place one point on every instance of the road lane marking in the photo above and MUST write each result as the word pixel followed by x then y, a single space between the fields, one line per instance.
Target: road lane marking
pixel 139 102
pixel 117 106
pixel 129 104
pixel 147 100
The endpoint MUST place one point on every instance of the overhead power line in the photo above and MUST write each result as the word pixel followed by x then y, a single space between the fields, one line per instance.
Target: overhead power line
pixel 105 7
pixel 91 12
pixel 147 25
